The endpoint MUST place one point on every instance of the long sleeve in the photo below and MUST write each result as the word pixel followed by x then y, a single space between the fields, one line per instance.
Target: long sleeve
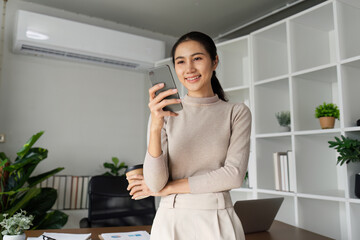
pixel 156 171
pixel 233 172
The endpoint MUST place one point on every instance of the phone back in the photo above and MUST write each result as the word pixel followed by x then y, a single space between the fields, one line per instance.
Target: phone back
pixel 163 74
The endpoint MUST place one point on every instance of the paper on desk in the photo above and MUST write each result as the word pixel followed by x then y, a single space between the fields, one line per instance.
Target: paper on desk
pixel 137 235
pixel 63 236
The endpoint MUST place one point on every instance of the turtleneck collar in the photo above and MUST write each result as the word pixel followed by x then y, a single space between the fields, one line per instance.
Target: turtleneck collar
pixel 200 101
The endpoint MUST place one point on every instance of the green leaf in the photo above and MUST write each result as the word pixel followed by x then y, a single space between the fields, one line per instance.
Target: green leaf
pixel 32 192
pixel 115 161
pixel 53 220
pixel 42 202
pixel 39 178
pixel 23 151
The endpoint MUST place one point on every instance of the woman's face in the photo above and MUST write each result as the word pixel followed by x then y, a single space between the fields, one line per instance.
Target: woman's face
pixel 194 68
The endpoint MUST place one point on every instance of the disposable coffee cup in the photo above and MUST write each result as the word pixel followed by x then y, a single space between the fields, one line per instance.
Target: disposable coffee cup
pixel 135 170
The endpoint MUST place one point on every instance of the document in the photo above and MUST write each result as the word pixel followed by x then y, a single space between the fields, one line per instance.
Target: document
pixel 137 235
pixel 63 236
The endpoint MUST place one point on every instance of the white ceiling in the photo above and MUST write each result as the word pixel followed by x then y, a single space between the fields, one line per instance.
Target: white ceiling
pixel 173 17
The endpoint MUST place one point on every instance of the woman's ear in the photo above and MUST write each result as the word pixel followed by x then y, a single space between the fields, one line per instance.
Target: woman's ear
pixel 215 62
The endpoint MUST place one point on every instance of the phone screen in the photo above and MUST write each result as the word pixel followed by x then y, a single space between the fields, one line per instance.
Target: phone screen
pixel 163 74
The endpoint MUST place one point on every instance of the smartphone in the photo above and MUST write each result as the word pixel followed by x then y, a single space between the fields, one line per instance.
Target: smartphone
pixel 163 74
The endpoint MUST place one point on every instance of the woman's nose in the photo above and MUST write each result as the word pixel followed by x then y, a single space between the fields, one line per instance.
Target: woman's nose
pixel 190 67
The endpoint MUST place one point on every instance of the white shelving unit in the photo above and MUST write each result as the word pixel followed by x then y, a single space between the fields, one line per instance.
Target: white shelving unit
pixel 295 65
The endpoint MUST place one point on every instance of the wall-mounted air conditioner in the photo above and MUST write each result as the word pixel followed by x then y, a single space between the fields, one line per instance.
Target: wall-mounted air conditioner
pixel 43 35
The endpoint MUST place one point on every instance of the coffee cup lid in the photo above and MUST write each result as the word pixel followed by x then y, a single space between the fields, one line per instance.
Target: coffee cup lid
pixel 134 167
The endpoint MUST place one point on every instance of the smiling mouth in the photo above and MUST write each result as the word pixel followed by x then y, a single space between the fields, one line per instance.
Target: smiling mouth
pixel 193 79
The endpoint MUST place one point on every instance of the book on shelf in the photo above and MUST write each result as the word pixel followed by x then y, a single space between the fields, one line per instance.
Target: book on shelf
pixel 277 170
pixel 137 235
pixel 84 199
pixel 61 192
pixel 284 171
pixel 292 171
pixel 68 192
pixel 79 192
pixel 56 184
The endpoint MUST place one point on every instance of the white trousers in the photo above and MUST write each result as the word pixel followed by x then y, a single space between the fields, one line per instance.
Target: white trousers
pixel 209 216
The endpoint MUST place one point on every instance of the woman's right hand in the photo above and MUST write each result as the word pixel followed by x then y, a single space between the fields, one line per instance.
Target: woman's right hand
pixel 157 103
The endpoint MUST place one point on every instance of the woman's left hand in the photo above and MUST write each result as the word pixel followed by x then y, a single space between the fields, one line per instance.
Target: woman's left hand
pixel 138 187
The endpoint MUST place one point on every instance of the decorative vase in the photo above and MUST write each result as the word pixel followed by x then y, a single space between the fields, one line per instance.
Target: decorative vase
pixel 327 122
pixel 14 237
pixel 357 185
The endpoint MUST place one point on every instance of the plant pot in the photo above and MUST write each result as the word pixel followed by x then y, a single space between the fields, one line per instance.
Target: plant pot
pixel 284 128
pixel 357 185
pixel 14 237
pixel 327 122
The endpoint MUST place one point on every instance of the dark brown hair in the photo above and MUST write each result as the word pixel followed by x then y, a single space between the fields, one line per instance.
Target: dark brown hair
pixel 210 47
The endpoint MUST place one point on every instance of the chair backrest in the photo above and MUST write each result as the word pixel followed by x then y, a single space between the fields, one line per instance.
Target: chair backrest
pixel 111 205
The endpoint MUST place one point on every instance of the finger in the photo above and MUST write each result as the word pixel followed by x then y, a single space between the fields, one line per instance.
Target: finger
pixel 133 184
pixel 167 102
pixel 161 96
pixel 135 190
pixel 135 177
pixel 155 88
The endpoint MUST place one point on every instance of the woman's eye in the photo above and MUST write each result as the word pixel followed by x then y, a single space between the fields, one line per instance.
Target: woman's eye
pixel 179 62
pixel 197 58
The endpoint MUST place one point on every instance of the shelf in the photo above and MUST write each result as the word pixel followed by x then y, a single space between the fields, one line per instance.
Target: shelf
pixel 317 132
pixel 287 210
pixel 313 157
pixel 266 147
pixel 311 90
pixel 270 98
pixel 234 64
pixel 352 168
pixel 354 216
pixel 352 129
pixel 239 96
pixel 270 135
pixel 271 79
pixel 240 195
pixel 280 193
pixel 350 74
pixel 312 37
pixel 322 217
pixel 247 190
pixel 270 52
pixel 349 31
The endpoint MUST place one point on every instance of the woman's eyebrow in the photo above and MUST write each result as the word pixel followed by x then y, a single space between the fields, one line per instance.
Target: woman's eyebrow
pixel 198 53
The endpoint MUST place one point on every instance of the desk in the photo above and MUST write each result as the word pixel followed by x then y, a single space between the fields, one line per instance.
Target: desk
pixel 278 231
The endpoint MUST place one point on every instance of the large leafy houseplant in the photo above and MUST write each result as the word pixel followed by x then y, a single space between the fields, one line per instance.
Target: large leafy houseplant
pixel 348 149
pixel 18 189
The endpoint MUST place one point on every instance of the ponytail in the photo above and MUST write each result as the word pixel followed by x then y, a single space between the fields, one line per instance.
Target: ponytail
pixel 217 89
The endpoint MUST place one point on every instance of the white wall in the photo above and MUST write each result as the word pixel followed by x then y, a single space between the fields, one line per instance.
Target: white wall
pixel 89 113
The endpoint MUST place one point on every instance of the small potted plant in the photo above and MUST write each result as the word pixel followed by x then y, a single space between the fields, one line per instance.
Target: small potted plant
pixel 116 167
pixel 283 119
pixel 327 113
pixel 13 228
pixel 349 151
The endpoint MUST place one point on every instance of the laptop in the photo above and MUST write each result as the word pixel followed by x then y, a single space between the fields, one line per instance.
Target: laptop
pixel 257 215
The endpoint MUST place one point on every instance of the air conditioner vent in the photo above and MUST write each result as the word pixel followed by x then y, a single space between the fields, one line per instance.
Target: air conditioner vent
pixel 77 56
pixel 83 42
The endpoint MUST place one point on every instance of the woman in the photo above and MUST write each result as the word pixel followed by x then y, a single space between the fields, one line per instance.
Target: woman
pixel 195 156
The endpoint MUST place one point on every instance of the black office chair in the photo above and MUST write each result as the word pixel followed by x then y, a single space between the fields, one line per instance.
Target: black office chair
pixel 111 205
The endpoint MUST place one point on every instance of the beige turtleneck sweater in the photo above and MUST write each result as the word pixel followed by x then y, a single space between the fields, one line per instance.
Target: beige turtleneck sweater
pixel 208 143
